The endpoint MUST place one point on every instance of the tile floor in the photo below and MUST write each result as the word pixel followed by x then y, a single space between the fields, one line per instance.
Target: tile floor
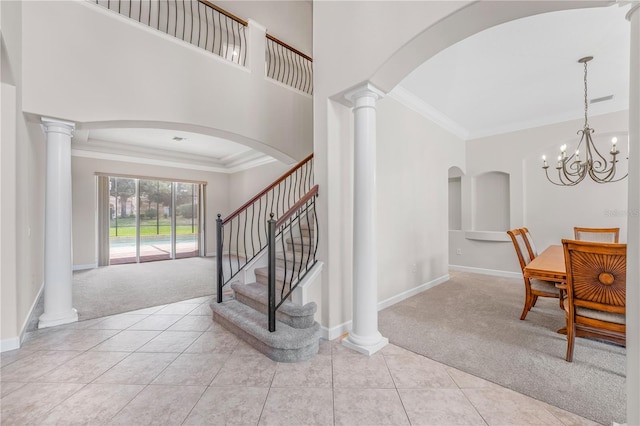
pixel 171 365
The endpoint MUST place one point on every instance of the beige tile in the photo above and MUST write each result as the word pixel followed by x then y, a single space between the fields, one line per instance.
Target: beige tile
pixel 7 387
pixel 192 369
pixel 171 341
pixel 30 402
pixel 298 406
pixel 500 406
pixel 126 341
pixel 92 405
pixel 229 405
pixel 569 419
pixel 147 311
pixel 199 300
pixel 30 368
pixel 69 340
pixel 177 308
pixel 393 350
pixel 243 348
pixel 137 369
pixel 159 405
pixel 325 347
pixel 361 371
pixel 214 342
pixel 84 368
pixel 246 370
pixel 466 380
pixel 314 373
pixel 192 323
pixel 117 322
pixel 416 371
pixel 10 357
pixel 204 310
pixel 156 322
pixel 439 407
pixel 354 407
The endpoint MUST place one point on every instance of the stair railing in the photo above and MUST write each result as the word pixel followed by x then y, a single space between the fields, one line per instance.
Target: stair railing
pixel 290 228
pixel 288 65
pixel 197 22
pixel 243 234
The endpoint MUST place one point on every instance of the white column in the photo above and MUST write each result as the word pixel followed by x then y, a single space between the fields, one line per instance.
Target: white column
pixel 364 336
pixel 58 275
pixel 633 226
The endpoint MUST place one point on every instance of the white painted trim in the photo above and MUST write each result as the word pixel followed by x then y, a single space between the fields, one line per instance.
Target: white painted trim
pixel 416 104
pixel 412 292
pixel 335 332
pixel 165 163
pixel 345 327
pixel 9 344
pixel 23 329
pixel 493 272
pixel 286 86
pixel 85 267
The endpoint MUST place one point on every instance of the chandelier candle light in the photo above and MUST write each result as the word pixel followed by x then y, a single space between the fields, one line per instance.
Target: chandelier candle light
pixel 571 170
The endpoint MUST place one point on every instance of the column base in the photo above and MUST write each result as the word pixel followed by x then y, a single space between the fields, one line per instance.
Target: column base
pixel 365 349
pixel 47 320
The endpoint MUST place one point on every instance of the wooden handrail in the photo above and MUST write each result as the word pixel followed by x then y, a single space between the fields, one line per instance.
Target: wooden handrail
pixel 224 12
pixel 267 189
pixel 309 195
pixel 286 46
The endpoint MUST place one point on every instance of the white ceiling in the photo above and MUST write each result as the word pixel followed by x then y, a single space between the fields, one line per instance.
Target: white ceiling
pixel 164 147
pixel 525 73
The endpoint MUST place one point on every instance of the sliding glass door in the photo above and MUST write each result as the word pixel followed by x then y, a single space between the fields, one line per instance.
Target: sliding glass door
pixel 153 220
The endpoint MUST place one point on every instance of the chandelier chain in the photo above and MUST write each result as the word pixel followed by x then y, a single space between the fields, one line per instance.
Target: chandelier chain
pixel 586 103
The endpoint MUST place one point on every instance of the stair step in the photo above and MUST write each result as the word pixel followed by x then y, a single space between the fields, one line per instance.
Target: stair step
pixel 262 276
pixel 286 344
pixel 256 296
pixel 293 258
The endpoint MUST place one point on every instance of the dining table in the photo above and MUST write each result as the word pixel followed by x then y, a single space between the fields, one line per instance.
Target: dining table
pixel 548 265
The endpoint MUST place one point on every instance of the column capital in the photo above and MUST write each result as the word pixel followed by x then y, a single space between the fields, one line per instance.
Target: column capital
pixel 365 90
pixel 52 125
pixel 635 6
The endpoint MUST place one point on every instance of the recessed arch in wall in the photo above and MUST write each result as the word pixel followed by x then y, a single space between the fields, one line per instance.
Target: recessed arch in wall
pixel 455 198
pixel 491 201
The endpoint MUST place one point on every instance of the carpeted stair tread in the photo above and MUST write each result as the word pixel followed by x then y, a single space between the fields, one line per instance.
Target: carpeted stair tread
pixel 256 296
pixel 262 275
pixel 286 344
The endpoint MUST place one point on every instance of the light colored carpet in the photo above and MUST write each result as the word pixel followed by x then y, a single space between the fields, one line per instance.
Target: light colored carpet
pixel 122 288
pixel 471 322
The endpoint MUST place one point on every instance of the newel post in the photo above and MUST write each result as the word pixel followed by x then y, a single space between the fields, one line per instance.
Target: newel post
pixel 219 273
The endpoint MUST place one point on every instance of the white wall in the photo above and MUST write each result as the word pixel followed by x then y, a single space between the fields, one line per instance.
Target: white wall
pixel 97 67
pixel 414 156
pixel 23 165
pixel 550 212
pixel 245 184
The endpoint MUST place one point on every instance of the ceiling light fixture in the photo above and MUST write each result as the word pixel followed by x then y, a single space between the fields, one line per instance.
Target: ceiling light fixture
pixel 178 138
pixel 571 170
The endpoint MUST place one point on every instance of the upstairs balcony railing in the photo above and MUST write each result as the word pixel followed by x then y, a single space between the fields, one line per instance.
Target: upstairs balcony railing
pixel 209 27
pixel 244 234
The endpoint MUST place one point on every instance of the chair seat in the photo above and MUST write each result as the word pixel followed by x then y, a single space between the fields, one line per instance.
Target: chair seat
pixel 545 286
pixel 599 315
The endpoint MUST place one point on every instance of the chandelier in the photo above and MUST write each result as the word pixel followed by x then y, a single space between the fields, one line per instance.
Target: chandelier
pixel 571 169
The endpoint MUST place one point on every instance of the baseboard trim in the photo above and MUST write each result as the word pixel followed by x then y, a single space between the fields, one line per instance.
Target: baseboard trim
pixel 494 272
pixel 85 267
pixel 412 292
pixel 9 344
pixel 15 342
pixel 345 327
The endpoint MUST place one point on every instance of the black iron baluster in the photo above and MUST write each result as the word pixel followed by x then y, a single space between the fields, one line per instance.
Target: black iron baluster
pixel 244 46
pixel 206 21
pixel 219 248
pixel 272 273
pixel 244 237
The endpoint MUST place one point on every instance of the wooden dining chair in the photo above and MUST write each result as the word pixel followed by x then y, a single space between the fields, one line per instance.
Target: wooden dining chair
pixel 531 247
pixel 533 288
pixel 596 291
pixel 602 235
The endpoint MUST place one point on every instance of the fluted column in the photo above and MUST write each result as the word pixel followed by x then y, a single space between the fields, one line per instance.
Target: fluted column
pixel 58 275
pixel 364 336
pixel 633 223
